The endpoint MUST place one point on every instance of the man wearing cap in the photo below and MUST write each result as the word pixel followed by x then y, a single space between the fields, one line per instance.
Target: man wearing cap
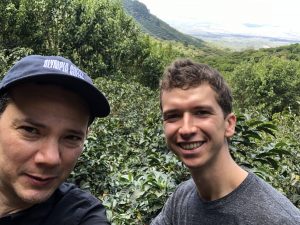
pixel 46 106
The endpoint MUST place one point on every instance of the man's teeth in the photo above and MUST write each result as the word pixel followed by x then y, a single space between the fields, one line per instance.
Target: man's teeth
pixel 191 146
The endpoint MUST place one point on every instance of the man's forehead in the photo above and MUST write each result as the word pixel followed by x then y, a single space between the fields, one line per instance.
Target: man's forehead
pixel 177 96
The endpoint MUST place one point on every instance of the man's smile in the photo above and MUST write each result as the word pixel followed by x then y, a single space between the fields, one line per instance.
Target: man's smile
pixel 191 145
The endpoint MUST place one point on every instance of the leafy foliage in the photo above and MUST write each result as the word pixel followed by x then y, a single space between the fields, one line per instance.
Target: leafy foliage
pixel 272 84
pixel 125 162
pixel 97 35
pixel 126 154
pixel 10 56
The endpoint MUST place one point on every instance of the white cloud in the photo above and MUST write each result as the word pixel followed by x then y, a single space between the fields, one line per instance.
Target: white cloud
pixel 277 16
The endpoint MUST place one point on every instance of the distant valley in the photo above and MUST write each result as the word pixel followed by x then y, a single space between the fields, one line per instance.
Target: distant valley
pixel 239 41
pixel 198 33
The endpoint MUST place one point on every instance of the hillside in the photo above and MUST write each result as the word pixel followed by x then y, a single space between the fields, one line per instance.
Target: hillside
pixel 156 27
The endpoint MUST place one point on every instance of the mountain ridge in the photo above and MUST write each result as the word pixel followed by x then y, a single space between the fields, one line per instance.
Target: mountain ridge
pixel 199 34
pixel 156 27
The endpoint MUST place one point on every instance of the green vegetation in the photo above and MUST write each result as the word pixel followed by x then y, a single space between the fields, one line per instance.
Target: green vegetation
pixel 125 162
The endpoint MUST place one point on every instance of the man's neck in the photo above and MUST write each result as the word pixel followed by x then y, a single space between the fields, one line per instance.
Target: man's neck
pixel 10 206
pixel 218 179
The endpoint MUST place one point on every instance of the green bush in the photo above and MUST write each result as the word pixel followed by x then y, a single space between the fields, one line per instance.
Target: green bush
pixel 272 84
pixel 125 162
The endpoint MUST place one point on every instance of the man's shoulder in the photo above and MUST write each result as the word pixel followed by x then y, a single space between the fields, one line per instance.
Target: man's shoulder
pixel 71 192
pixel 186 184
pixel 185 188
pixel 67 205
pixel 75 206
pixel 263 199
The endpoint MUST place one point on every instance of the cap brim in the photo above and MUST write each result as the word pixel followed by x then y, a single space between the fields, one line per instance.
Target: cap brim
pixel 97 102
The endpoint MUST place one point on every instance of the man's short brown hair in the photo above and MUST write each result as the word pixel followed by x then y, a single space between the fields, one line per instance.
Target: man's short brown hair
pixel 185 74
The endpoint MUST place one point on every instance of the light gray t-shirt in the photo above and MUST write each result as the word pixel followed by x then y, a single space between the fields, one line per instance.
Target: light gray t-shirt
pixel 254 202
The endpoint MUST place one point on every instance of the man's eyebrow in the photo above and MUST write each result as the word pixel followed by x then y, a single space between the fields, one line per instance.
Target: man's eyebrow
pixel 76 132
pixel 203 107
pixel 28 120
pixel 40 125
pixel 198 107
pixel 169 111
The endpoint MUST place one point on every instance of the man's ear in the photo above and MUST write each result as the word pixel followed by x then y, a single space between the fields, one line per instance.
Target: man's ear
pixel 230 123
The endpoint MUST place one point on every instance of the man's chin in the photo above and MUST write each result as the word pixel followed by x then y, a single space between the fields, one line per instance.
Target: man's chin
pixel 32 197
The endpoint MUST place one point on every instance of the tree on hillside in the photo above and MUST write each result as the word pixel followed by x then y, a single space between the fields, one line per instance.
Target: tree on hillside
pixel 272 84
pixel 96 34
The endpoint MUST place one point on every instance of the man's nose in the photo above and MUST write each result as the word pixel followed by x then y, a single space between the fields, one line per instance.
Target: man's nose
pixel 49 153
pixel 187 127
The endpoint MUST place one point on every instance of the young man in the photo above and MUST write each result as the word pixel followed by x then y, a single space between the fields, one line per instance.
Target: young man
pixel 196 104
pixel 46 106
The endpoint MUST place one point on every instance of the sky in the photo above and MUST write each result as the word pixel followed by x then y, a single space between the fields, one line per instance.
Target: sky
pixel 278 18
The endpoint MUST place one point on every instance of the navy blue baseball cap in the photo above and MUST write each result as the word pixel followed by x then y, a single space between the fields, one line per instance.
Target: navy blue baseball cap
pixel 56 69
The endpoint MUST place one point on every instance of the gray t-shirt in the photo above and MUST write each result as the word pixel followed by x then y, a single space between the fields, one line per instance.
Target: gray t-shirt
pixel 254 202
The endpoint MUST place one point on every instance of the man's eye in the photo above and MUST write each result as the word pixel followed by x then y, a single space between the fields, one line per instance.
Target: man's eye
pixel 73 141
pixel 170 117
pixel 29 130
pixel 74 138
pixel 202 112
